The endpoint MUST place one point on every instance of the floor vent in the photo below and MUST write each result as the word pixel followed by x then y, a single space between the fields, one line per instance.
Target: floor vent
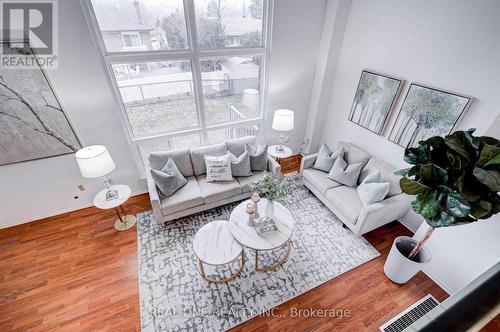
pixel 410 315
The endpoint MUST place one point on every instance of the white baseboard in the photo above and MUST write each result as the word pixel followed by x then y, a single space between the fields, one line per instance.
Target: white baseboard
pixel 408 226
pixel 56 213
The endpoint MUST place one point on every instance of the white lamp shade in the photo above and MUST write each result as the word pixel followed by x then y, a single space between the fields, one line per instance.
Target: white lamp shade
pixel 94 161
pixel 283 120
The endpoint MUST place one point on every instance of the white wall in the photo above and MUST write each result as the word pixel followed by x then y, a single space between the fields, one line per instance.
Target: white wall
pixel 449 44
pixel 296 35
pixel 36 189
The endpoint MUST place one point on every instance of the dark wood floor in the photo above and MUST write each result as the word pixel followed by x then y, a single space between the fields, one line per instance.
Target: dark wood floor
pixel 75 272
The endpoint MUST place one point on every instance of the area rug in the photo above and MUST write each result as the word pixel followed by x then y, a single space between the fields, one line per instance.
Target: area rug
pixel 174 297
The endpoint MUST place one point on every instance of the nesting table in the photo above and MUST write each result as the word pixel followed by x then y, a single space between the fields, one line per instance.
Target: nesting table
pixel 248 237
pixel 214 245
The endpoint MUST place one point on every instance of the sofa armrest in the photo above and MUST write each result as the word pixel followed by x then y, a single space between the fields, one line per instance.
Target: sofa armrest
pixel 153 193
pixel 383 212
pixel 273 166
pixel 307 161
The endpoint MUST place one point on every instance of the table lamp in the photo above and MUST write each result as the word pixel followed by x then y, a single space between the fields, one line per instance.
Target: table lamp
pixel 282 121
pixel 95 161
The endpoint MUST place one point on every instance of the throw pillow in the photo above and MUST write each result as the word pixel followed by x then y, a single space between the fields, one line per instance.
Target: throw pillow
pixel 169 179
pixel 240 166
pixel 372 189
pixel 326 158
pixel 345 174
pixel 218 168
pixel 258 157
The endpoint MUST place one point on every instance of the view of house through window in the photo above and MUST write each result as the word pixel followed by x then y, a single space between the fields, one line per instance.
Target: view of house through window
pixel 178 93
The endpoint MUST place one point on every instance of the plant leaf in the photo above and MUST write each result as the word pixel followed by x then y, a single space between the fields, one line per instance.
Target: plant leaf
pixel 412 187
pixel 456 205
pixel 427 204
pixel 489 155
pixel 490 178
pixel 463 143
pixel 481 209
pixel 443 219
pixel 433 174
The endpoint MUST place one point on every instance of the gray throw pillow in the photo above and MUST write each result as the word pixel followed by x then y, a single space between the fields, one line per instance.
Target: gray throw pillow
pixel 169 179
pixel 372 189
pixel 326 158
pixel 345 174
pixel 258 157
pixel 240 166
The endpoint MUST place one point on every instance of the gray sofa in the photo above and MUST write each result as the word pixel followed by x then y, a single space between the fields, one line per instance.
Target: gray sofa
pixel 198 194
pixel 344 201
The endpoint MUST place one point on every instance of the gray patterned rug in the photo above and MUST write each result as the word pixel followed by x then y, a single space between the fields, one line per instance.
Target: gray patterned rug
pixel 174 297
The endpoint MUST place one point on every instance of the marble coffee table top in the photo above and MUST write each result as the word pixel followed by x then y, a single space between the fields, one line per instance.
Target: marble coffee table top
pixel 247 235
pixel 215 245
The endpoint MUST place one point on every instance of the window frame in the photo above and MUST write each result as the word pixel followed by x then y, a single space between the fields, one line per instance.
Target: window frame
pixel 194 54
pixel 131 33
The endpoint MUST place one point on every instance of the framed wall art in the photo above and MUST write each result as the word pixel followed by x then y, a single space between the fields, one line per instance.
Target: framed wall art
pixel 375 97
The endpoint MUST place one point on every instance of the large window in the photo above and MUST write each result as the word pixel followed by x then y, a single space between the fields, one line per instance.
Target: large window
pixel 187 72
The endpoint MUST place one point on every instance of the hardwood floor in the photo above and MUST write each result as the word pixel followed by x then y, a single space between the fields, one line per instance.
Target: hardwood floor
pixel 75 272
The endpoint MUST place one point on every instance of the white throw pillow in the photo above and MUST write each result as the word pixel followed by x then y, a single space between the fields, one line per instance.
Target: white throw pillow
pixel 345 174
pixel 218 168
pixel 372 189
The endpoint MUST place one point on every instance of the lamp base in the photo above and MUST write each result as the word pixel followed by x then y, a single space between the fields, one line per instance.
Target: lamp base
pixel 127 222
pixel 111 194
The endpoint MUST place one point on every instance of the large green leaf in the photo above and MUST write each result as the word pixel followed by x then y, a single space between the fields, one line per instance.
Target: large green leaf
pixel 463 143
pixel 490 178
pixel 456 205
pixel 443 219
pixel 467 186
pixel 407 171
pixel 481 209
pixel 427 204
pixel 490 155
pixel 432 174
pixel 455 160
pixel 418 155
pixel 412 187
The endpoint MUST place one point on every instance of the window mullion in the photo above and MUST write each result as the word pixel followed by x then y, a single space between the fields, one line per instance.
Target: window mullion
pixel 195 67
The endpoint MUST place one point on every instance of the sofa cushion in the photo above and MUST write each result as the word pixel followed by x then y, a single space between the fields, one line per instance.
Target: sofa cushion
pixel 219 168
pixel 237 145
pixel 347 201
pixel 198 156
pixel 258 157
pixel 240 166
pixel 319 179
pixel 181 158
pixel 217 191
pixel 169 179
pixel 353 154
pixel 244 181
pixel 344 173
pixel 372 189
pixel 326 158
pixel 185 198
pixel 386 172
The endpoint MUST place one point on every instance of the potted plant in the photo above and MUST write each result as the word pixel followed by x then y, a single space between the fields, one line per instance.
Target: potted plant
pixel 272 188
pixel 456 180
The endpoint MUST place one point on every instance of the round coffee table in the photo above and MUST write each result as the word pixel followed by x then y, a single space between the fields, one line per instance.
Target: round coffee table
pixel 247 235
pixel 214 245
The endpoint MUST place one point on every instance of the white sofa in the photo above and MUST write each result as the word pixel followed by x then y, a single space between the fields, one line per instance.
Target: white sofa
pixel 344 201
pixel 198 194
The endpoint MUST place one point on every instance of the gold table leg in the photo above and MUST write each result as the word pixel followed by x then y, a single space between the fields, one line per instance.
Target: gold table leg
pixel 124 221
pixel 274 266
pixel 231 277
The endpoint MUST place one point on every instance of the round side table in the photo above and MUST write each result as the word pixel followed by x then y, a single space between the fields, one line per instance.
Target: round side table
pixel 214 245
pixel 124 221
pixel 274 152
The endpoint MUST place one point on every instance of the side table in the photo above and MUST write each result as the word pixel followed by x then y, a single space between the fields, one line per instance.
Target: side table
pixel 124 221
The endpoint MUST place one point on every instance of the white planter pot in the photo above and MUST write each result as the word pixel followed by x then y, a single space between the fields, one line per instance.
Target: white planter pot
pixel 398 267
